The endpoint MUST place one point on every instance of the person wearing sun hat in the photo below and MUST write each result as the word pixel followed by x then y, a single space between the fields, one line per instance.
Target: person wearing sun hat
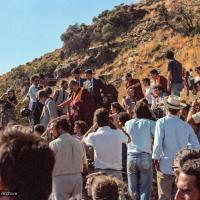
pixel 171 135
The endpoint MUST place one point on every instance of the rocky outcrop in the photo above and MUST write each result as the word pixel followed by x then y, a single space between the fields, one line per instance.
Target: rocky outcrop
pixel 95 58
pixel 64 70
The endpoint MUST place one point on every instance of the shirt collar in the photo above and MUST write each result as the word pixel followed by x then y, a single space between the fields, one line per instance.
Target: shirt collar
pixel 64 135
pixel 103 128
pixel 174 116
pixel 47 100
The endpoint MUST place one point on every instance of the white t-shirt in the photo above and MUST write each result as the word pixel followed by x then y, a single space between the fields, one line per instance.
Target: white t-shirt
pixel 107 144
pixel 148 94
pixel 32 95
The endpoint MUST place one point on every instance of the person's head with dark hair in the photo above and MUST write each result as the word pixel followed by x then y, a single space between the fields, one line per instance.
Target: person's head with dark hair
pixel 74 86
pixel 158 90
pixel 60 126
pixel 180 157
pixel 88 74
pixel 187 73
pixel 49 91
pixel 101 116
pixel 123 117
pixel 76 73
pixel 23 159
pixel 90 179
pixel 64 84
pixel 42 96
pixel 42 81
pixel 146 82
pixel 41 76
pixel 35 80
pixel 188 182
pixel 11 94
pixel 38 129
pixel 104 187
pixel 173 111
pixel 128 77
pixel 154 74
pixel 116 108
pixel 169 55
pixel 80 128
pixel 142 111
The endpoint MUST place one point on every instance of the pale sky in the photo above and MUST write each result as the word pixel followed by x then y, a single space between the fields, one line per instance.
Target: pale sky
pixel 31 28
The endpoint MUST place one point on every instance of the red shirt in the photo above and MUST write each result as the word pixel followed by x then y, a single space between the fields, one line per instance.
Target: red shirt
pixel 138 90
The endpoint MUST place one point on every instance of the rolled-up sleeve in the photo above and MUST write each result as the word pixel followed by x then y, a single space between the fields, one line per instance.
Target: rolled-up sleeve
pixel 89 140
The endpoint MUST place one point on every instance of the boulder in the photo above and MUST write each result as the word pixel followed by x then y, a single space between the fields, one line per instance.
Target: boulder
pixel 63 71
pixel 97 57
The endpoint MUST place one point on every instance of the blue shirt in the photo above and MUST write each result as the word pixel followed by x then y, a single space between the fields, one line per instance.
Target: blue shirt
pixel 175 68
pixel 171 135
pixel 141 132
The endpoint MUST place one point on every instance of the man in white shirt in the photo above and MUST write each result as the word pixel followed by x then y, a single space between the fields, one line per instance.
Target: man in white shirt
pixel 107 144
pixel 49 110
pixel 148 90
pixel 32 94
pixel 69 162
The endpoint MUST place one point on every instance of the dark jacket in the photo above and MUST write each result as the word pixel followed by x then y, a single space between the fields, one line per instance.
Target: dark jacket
pixel 95 91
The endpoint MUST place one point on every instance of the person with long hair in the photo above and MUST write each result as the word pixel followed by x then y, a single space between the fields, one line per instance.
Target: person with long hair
pixel 115 109
pixel 9 102
pixel 139 163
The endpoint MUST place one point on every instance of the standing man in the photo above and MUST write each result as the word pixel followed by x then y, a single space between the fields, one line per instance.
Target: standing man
pixel 107 144
pixel 130 82
pixel 94 87
pixel 61 95
pixel 175 74
pixel 70 159
pixel 171 135
pixel 32 94
pixel 76 73
pixel 49 110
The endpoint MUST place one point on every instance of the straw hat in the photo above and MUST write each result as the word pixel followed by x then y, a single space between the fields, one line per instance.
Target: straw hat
pixel 174 102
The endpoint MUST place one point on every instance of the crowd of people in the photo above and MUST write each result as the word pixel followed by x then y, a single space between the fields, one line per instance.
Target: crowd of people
pixel 83 143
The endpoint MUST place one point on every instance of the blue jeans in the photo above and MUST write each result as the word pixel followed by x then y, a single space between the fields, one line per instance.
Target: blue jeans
pixel 176 88
pixel 140 175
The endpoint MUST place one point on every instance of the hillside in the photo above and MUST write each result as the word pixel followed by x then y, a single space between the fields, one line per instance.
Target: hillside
pixel 130 38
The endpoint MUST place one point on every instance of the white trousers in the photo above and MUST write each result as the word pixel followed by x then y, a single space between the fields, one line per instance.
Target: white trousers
pixel 67 187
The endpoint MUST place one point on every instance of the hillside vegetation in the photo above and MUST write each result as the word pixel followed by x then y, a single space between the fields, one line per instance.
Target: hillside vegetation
pixel 129 38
